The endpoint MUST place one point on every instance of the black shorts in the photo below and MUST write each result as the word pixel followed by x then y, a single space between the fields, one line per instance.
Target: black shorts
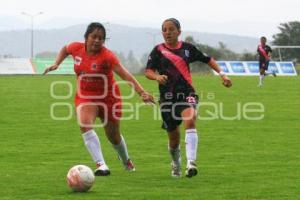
pixel 171 111
pixel 263 64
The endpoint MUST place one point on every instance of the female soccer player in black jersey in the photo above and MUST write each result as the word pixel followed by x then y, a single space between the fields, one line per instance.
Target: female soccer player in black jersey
pixel 264 56
pixel 168 64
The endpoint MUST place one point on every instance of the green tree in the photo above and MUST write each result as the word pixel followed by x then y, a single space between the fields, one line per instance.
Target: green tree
pixel 121 57
pixel 219 53
pixel 247 56
pixel 289 36
pixel 132 64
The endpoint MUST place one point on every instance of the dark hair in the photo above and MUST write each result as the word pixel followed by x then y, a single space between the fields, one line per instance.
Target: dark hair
pixel 93 26
pixel 175 22
pixel 263 38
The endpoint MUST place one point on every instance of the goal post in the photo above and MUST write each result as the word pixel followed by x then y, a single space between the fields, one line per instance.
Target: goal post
pixel 279 47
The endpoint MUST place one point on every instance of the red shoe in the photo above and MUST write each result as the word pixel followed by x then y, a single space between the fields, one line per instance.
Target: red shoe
pixel 129 166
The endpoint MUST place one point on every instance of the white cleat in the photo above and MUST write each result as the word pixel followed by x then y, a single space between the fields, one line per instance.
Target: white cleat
pixel 102 170
pixel 191 169
pixel 176 169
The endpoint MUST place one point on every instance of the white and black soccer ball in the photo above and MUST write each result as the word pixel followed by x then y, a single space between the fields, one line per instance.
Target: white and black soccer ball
pixel 80 178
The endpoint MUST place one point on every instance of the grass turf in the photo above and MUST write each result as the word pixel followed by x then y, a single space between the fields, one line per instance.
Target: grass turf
pixel 237 159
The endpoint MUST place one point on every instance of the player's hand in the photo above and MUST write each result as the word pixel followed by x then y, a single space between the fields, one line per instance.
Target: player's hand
pixel 51 68
pixel 162 79
pixel 226 81
pixel 147 98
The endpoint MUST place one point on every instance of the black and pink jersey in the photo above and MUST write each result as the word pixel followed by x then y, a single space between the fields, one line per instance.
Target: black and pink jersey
pixel 174 63
pixel 264 52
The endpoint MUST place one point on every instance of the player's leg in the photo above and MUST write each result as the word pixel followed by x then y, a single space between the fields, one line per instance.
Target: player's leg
pixel 112 131
pixel 189 116
pixel 171 125
pixel 261 77
pixel 86 115
pixel 266 69
pixel 261 73
pixel 174 150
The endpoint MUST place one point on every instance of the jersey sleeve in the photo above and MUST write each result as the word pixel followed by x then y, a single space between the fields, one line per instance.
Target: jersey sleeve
pixel 153 60
pixel 197 55
pixel 73 47
pixel 269 49
pixel 112 58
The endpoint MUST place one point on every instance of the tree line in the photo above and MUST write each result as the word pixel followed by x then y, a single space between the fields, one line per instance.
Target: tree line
pixel 289 35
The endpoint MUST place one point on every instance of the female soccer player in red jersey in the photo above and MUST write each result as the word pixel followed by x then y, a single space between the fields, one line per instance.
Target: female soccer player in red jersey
pixel 168 64
pixel 98 94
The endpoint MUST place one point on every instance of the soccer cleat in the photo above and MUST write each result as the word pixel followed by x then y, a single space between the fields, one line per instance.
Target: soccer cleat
pixel 102 170
pixel 274 74
pixel 191 169
pixel 129 166
pixel 176 169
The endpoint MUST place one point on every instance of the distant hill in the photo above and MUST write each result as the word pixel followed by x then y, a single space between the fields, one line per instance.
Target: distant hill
pixel 120 38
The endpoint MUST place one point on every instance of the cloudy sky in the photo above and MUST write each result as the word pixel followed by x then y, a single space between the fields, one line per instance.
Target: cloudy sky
pixel 249 18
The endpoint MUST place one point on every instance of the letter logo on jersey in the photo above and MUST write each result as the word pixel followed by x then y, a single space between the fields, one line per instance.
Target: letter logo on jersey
pixel 187 53
pixel 94 66
pixel 77 60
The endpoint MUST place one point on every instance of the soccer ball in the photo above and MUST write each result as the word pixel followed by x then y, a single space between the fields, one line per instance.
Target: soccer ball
pixel 80 178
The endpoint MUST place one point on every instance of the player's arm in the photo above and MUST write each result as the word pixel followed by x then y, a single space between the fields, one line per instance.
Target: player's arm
pixel 151 67
pixel 152 75
pixel 214 65
pixel 198 55
pixel 126 76
pixel 59 59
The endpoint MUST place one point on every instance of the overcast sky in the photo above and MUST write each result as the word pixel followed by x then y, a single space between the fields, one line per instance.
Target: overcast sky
pixel 250 18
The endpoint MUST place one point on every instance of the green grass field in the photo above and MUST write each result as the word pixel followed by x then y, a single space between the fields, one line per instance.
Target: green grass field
pixel 238 159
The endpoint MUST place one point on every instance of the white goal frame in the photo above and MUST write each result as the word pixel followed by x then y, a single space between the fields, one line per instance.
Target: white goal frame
pixel 283 47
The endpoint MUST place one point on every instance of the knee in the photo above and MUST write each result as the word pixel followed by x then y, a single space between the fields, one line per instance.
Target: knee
pixel 85 124
pixel 190 124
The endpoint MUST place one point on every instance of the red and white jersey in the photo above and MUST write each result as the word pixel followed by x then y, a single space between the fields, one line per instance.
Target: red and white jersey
pixel 94 72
